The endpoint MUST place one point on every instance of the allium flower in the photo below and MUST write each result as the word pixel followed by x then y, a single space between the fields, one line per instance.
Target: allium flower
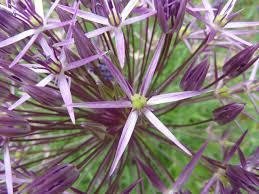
pixel 140 103
pixel 219 22
pixel 113 20
pixel 123 96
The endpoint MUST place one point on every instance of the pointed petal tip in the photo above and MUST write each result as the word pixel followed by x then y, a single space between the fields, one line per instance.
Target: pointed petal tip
pixel 124 139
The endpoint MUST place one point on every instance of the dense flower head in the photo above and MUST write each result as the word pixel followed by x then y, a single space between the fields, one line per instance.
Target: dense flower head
pixel 121 96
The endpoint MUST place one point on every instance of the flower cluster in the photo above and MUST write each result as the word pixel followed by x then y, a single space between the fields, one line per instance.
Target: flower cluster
pixel 88 89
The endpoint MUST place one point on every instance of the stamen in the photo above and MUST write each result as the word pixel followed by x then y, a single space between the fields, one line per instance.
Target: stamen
pixel 138 101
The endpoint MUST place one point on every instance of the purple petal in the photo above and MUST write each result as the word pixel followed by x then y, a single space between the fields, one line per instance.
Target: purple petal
pixel 127 10
pixel 236 38
pixel 209 184
pixel 103 104
pixel 138 18
pixel 48 51
pixel 66 95
pixel 58 25
pixel 98 31
pixel 131 187
pixel 87 15
pixel 56 180
pixel 17 38
pixel 118 76
pixel 152 67
pixel 241 24
pixel 24 50
pixel 228 7
pixel 26 97
pixel 153 177
pixel 163 129
pixel 234 148
pixel 20 101
pixel 208 6
pixel 124 139
pixel 8 169
pixel 242 158
pixel 188 169
pixel 77 64
pixel 120 46
pixel 172 97
pixel 51 9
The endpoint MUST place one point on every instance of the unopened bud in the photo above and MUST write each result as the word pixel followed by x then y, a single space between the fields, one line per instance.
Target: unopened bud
pixel 55 180
pixel 227 113
pixel 194 77
pixel 240 62
pixel 44 95
pixel 12 124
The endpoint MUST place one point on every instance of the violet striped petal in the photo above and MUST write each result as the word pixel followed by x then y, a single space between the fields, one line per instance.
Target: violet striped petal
pixel 163 129
pixel 131 187
pixel 90 34
pixel 208 6
pixel 44 95
pixel 46 48
pixel 242 158
pixel 17 38
pixel 83 44
pixel 227 113
pixel 51 9
pixel 103 104
pixel 234 37
pixel 8 169
pixel 127 10
pixel 26 97
pixel 87 15
pixel 152 67
pixel 39 7
pixel 120 46
pixel 24 50
pixel 138 18
pixel 209 184
pixel 52 26
pixel 234 148
pixel 98 31
pixel 241 24
pixel 57 179
pixel 66 95
pixel 124 139
pixel 153 177
pixel 79 63
pixel 20 101
pixel 118 76
pixel 12 124
pixel 228 7
pixel 181 180
pixel 172 97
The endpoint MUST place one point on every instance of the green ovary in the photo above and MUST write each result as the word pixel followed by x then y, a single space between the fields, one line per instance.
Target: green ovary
pixel 138 101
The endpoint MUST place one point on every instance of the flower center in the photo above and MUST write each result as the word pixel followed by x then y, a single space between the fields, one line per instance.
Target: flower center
pixel 138 101
pixel 113 16
pixel 220 20
pixel 114 19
